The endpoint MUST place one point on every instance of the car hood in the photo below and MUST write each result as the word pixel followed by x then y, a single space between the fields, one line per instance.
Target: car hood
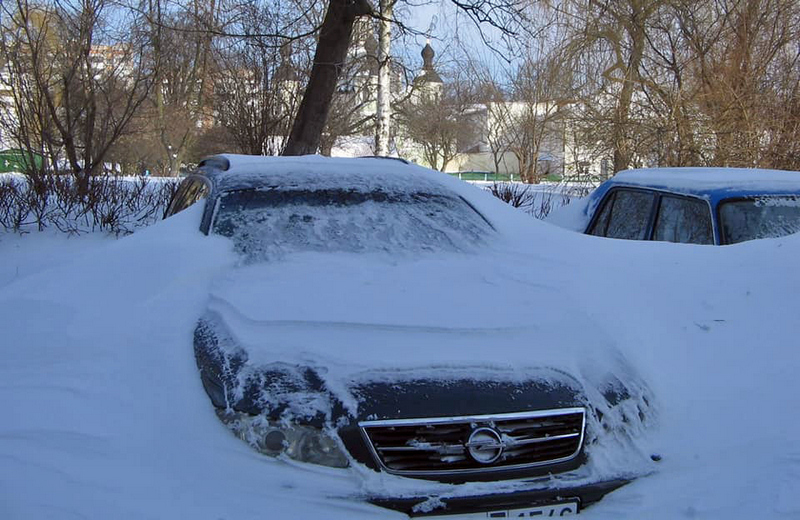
pixel 338 339
pixel 466 291
pixel 354 318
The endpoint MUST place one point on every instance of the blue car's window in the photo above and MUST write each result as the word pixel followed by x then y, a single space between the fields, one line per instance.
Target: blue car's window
pixel 601 220
pixel 683 220
pixel 266 223
pixel 759 217
pixel 625 214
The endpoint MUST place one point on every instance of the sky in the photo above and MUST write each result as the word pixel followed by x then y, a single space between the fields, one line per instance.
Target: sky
pixel 451 34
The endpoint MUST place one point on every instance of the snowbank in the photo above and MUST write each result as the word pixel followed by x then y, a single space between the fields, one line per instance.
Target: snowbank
pixel 105 415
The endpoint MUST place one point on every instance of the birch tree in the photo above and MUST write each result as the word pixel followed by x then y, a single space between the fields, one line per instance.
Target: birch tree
pixel 383 115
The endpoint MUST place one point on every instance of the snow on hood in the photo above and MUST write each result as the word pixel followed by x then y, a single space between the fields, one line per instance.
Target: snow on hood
pixel 362 313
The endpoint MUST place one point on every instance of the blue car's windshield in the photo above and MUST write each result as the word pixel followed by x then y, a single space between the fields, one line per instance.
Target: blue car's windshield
pixel 759 217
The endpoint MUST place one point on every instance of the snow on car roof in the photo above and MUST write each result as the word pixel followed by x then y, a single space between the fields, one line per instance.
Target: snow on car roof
pixel 713 184
pixel 707 181
pixel 367 173
pixel 364 174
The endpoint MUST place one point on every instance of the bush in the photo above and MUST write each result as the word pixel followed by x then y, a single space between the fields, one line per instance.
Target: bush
pixel 102 203
pixel 536 202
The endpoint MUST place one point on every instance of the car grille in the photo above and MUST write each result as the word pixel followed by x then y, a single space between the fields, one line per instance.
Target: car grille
pixel 481 443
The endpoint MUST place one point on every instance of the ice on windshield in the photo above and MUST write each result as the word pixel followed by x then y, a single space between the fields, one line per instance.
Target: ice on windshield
pixel 268 223
pixel 760 217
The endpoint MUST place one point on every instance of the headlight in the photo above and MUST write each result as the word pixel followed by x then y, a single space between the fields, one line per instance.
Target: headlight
pixel 300 443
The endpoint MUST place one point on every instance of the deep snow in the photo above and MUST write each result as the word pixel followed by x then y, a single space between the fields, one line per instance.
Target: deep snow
pixel 105 416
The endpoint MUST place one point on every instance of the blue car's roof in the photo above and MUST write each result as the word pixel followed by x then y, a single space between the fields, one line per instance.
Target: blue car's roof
pixel 712 184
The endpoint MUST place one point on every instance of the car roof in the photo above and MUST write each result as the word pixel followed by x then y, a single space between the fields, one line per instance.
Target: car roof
pixel 235 172
pixel 713 184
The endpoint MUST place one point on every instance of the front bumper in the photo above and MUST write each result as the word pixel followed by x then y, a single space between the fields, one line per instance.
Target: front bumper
pixel 422 506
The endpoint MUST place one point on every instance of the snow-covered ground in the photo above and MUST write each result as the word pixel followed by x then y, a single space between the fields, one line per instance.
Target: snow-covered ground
pixel 104 415
pixel 24 255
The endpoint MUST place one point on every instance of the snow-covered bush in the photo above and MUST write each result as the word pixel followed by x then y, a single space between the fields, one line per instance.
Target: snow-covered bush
pixel 534 200
pixel 102 203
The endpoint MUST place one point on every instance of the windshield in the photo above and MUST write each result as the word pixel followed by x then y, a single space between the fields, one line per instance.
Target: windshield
pixel 265 223
pixel 759 217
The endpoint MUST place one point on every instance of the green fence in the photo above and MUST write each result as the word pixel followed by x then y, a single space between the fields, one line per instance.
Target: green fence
pixel 489 176
pixel 18 160
pixel 481 176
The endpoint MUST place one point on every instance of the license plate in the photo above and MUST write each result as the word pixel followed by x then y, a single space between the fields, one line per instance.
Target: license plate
pixel 549 511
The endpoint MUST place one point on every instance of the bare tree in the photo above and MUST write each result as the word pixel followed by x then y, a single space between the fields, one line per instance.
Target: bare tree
pixel 616 32
pixel 437 121
pixel 256 87
pixel 739 50
pixel 334 39
pixel 335 33
pixel 348 115
pixel 533 123
pixel 77 79
pixel 669 124
pixel 383 115
pixel 781 147
pixel 352 108
pixel 679 82
pixel 495 96
pixel 182 51
pixel 498 140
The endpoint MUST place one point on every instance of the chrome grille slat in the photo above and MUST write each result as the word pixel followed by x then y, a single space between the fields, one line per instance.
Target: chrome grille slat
pixel 443 449
pixel 518 442
pixel 441 445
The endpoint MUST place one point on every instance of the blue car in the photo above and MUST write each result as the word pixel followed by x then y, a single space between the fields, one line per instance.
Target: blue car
pixel 691 205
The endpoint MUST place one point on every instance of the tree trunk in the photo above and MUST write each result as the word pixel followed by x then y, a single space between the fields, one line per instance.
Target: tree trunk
pixel 326 145
pixel 384 108
pixel 623 146
pixel 334 40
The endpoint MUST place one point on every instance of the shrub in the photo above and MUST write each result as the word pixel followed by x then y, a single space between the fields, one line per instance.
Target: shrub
pixel 100 203
pixel 536 202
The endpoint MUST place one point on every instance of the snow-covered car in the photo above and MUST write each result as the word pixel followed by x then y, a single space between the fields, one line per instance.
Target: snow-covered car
pixel 690 205
pixel 381 322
